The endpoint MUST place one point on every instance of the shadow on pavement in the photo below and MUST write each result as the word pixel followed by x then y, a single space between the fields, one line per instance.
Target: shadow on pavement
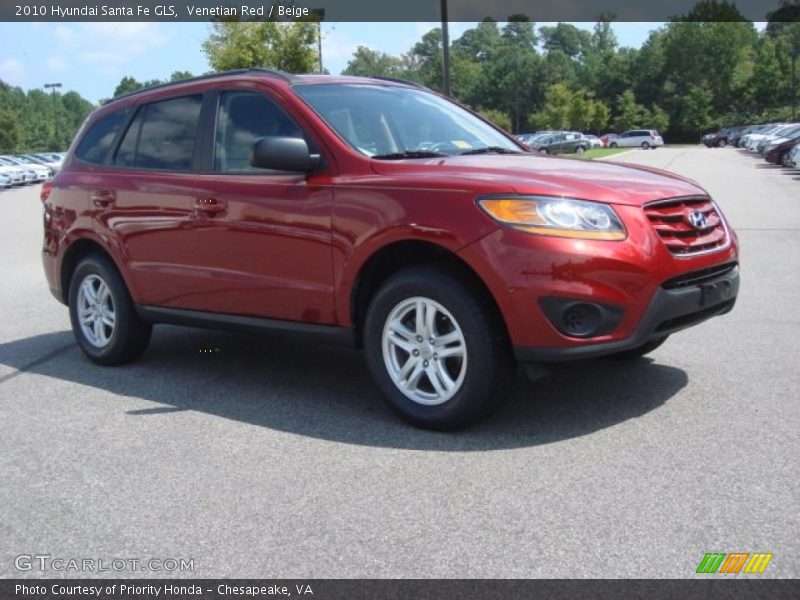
pixel 326 392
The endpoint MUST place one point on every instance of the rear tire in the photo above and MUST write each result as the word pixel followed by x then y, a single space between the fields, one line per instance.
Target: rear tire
pixel 416 317
pixel 722 143
pixel 613 144
pixel 103 315
pixel 580 150
pixel 639 352
pixel 645 145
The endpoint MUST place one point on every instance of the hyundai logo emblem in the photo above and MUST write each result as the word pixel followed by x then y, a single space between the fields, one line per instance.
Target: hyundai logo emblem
pixel 698 220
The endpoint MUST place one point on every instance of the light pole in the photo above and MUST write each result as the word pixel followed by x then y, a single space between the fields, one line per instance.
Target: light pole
pixel 53 86
pixel 320 14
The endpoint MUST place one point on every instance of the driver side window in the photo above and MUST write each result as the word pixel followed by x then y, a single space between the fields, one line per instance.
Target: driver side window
pixel 245 117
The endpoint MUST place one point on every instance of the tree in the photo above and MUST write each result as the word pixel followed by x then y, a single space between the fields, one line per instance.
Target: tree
pixel 556 112
pixel 243 45
pixel 180 75
pixel 707 11
pixel 10 134
pixel 36 121
pixel 629 112
pixel 498 117
pixel 367 62
pixel 565 38
pixel 126 86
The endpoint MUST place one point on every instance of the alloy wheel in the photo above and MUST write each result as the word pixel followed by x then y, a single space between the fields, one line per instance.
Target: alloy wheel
pixel 424 351
pixel 96 313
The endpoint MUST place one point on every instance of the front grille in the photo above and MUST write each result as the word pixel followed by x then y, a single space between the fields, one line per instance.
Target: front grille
pixel 672 221
pixel 698 277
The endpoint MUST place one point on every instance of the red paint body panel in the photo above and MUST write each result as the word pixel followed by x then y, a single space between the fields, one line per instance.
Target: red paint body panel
pixel 291 247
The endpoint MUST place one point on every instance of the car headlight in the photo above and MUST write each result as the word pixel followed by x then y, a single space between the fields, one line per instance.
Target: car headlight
pixel 562 217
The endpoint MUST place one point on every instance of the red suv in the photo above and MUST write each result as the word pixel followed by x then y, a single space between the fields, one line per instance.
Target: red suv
pixel 379 214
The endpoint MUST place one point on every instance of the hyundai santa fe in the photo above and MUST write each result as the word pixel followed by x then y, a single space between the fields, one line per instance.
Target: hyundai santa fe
pixel 379 214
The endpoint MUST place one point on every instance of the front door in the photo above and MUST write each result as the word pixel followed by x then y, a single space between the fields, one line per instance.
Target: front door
pixel 262 238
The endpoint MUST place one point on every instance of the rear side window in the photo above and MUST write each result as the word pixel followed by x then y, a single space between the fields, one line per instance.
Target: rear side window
pixel 162 136
pixel 244 118
pixel 98 140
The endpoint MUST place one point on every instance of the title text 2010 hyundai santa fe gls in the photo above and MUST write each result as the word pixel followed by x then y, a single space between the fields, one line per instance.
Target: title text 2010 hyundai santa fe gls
pixel 378 213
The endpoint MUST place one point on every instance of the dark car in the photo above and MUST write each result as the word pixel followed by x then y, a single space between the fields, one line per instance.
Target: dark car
pixel 779 153
pixel 561 142
pixel 377 214
pixel 721 138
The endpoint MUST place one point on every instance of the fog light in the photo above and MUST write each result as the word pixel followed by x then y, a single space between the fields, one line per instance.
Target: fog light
pixel 581 319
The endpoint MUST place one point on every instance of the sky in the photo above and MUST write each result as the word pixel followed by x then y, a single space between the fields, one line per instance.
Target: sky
pixel 91 58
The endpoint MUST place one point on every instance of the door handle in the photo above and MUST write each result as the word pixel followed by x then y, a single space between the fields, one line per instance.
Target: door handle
pixel 210 207
pixel 104 198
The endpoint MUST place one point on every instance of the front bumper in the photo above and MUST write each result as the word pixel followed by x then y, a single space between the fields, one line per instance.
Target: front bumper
pixel 677 304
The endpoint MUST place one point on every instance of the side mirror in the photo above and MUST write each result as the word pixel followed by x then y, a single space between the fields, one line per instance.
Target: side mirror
pixel 284 154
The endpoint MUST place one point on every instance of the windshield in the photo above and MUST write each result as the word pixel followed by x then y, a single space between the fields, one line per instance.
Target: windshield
pixel 390 121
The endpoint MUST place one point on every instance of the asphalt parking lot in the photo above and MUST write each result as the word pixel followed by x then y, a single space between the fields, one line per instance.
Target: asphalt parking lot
pixel 273 458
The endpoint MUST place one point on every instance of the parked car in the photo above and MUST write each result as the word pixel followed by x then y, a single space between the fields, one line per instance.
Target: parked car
pixel 36 172
pixel 607 138
pixel 16 174
pixel 780 136
pixel 793 158
pixel 778 152
pixel 644 138
pixel 378 214
pixel 563 142
pixel 750 140
pixel 594 141
pixel 52 165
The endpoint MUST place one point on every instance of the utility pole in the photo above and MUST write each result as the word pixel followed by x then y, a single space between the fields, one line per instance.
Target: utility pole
pixel 320 14
pixel 446 50
pixel 52 87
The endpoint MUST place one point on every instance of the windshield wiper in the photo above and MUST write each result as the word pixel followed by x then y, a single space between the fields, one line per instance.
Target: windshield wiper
pixel 409 154
pixel 488 150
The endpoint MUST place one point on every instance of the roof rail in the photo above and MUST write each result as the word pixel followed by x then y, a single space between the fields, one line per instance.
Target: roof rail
pixel 397 80
pixel 272 72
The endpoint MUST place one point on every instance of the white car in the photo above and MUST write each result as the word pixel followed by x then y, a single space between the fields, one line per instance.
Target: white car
pixel 751 140
pixel 594 141
pixel 638 138
pixel 16 175
pixel 5 181
pixel 39 172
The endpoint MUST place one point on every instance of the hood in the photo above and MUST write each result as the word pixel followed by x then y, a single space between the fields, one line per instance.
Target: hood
pixel 616 183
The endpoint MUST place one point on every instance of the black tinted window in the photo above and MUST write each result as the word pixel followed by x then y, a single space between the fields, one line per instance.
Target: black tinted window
pixel 97 142
pixel 244 117
pixel 162 136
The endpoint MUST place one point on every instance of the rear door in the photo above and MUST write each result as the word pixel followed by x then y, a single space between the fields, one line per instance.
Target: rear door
pixel 143 200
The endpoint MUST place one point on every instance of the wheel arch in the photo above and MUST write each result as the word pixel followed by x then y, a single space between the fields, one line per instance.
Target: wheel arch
pixel 77 251
pixel 388 259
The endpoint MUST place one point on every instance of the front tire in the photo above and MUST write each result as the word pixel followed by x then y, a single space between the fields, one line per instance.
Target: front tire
pixel 103 315
pixel 614 144
pixel 437 349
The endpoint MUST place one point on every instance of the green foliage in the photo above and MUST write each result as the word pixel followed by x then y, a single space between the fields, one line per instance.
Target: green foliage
pixel 290 47
pixel 497 117
pixel 9 132
pixel 370 63
pixel 36 121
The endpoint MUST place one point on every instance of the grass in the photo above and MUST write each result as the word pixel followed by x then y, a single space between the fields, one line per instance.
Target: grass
pixel 602 152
